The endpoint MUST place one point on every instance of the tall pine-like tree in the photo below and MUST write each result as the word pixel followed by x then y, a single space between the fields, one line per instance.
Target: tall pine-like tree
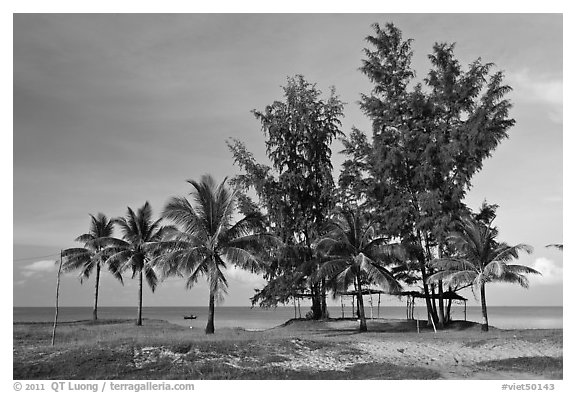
pixel 297 191
pixel 428 140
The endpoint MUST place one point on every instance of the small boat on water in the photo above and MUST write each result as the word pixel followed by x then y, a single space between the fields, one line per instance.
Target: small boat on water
pixel 192 316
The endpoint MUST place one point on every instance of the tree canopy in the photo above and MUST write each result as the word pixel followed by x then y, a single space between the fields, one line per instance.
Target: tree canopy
pixel 296 192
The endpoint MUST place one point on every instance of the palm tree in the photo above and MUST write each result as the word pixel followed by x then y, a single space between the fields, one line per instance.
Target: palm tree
pixel 138 250
pixel 480 259
pixel 355 254
pixel 207 241
pixel 93 255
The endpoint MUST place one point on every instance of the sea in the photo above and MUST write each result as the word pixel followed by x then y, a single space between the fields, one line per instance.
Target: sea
pixel 261 318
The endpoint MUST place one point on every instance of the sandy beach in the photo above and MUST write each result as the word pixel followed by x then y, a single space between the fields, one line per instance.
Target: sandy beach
pixel 299 349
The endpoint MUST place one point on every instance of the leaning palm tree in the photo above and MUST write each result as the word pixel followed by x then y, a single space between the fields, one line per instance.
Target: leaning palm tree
pixel 93 256
pixel 207 241
pixel 138 250
pixel 480 259
pixel 355 254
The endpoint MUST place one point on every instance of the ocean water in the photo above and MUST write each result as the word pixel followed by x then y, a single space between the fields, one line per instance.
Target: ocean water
pixel 259 318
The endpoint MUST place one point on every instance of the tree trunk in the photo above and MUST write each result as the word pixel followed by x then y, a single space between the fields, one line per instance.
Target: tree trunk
pixel 355 300
pixel 95 310
pixel 323 299
pixel 433 301
pixel 441 320
pixel 316 302
pixel 426 289
pixel 139 317
pixel 57 297
pixel 361 315
pixel 484 310
pixel 440 305
pixel 210 324
pixel 430 302
pixel 448 317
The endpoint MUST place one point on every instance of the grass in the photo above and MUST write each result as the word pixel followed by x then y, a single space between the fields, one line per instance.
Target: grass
pixel 549 367
pixel 158 350
pixel 116 349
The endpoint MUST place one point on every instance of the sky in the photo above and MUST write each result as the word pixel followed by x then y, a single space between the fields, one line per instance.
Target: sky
pixel 112 110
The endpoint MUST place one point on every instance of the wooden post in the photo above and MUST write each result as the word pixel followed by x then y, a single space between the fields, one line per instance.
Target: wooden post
pixel 378 305
pixel 433 324
pixel 342 304
pixel 353 306
pixel 57 295
pixel 294 307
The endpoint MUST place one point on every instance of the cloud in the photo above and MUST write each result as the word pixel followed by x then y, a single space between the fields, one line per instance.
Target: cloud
pixel 243 277
pixel 38 267
pixel 551 272
pixel 529 87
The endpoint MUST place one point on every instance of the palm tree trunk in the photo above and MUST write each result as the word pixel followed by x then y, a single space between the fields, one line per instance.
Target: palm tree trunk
pixel 323 294
pixel 440 305
pixel 316 301
pixel 210 324
pixel 139 317
pixel 484 309
pixel 95 310
pixel 447 316
pixel 363 326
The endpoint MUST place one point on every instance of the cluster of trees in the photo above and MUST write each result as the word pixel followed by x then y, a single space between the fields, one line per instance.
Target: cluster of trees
pixel 203 241
pixel 395 216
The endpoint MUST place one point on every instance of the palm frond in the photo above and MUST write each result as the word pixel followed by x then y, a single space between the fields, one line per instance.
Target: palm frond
pixel 151 277
pixel 507 253
pixel 495 268
pixel 514 278
pixel 521 269
pixel 201 268
pixel 115 269
pixel 243 259
pixel 86 270
pixel 85 238
pixel 333 267
pixel 383 277
pixel 453 277
pixel 74 259
pixel 451 264
pixel 180 211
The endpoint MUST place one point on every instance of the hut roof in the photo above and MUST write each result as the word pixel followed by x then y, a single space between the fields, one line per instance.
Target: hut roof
pixel 445 295
pixel 365 291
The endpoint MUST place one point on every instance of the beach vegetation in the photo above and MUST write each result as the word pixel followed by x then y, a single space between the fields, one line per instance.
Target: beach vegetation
pixel 93 255
pixel 480 258
pixel 428 139
pixel 356 255
pixel 296 193
pixel 550 366
pixel 206 241
pixel 136 251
